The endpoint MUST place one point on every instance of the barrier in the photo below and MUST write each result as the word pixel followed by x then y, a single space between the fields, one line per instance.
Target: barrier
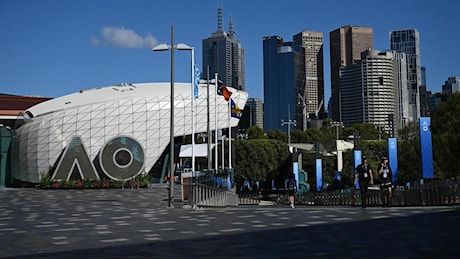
pixel 434 193
pixel 204 196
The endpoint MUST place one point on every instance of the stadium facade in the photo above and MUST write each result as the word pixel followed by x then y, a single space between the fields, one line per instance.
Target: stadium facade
pixel 117 131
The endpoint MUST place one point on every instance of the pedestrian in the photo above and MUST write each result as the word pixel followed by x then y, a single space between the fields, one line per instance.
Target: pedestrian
pixel 385 177
pixel 364 177
pixel 338 183
pixel 291 189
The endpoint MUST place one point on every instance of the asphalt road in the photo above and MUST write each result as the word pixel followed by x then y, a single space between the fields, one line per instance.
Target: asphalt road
pixel 136 223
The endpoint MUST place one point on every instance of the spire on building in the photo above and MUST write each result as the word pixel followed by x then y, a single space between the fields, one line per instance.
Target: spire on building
pixel 220 19
pixel 231 29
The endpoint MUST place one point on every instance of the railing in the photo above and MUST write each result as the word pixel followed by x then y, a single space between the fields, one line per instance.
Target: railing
pixel 429 194
pixel 204 196
pixel 249 198
pixel 435 193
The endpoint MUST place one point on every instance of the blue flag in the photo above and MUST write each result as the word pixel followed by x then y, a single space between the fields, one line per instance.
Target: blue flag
pixel 235 109
pixel 197 80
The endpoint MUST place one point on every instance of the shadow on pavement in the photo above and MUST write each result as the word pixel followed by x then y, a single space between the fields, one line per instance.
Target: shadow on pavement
pixel 432 235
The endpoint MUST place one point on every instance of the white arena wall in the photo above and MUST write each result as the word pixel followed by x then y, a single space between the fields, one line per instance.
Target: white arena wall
pixel 140 112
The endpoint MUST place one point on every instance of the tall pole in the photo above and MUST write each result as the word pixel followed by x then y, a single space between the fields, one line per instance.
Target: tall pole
pixel 193 110
pixel 230 133
pixel 289 123
pixel 215 121
pixel 209 122
pixel 171 141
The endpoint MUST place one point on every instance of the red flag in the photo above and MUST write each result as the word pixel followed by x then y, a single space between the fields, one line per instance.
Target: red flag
pixel 223 91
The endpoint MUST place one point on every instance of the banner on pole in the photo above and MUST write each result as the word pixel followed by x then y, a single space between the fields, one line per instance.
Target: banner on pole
pixel 319 174
pixel 197 81
pixel 358 161
pixel 393 158
pixel 426 147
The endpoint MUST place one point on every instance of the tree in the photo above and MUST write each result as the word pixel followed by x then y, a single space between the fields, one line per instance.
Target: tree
pixel 445 125
pixel 255 132
pixel 277 134
pixel 260 159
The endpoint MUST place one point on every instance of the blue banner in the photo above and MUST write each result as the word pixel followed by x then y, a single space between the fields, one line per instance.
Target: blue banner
pixel 393 158
pixel 295 169
pixel 197 81
pixel 358 161
pixel 319 174
pixel 426 148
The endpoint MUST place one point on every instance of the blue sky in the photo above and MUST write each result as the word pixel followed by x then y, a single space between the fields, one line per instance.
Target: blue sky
pixel 52 47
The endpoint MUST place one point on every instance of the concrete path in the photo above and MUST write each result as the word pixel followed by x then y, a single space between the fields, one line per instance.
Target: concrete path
pixel 138 224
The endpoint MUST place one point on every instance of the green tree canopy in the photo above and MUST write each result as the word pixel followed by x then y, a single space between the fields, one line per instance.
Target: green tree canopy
pixel 255 132
pixel 445 129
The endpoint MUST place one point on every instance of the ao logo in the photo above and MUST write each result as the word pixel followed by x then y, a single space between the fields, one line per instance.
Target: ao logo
pixel 121 158
pixel 392 145
pixel 425 126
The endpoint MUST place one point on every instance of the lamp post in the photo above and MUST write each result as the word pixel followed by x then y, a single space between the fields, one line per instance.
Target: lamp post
pixel 182 46
pixel 172 47
pixel 337 125
pixel 289 123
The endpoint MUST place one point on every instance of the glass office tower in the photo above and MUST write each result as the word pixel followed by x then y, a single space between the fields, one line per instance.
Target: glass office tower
pixel 280 61
pixel 408 41
pixel 224 54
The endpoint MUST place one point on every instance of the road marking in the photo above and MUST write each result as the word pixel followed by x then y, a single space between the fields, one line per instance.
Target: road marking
pixel 114 240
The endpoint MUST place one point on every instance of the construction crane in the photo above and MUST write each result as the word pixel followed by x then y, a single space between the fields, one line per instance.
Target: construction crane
pixel 319 108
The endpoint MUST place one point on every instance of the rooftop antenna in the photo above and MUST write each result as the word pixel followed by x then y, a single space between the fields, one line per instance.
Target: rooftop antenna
pixel 220 18
pixel 231 29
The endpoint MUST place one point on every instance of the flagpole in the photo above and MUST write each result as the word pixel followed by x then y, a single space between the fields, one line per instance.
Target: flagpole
pixel 215 120
pixel 230 133
pixel 223 152
pixel 208 130
pixel 193 111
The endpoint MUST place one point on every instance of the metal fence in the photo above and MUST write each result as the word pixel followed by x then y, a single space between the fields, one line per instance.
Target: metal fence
pixel 434 193
pixel 200 195
pixel 446 192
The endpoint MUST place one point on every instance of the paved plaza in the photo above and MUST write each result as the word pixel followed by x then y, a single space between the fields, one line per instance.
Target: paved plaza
pixel 136 223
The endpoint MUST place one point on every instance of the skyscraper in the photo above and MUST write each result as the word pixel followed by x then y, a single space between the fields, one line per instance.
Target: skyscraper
pixel 253 114
pixel 408 41
pixel 451 86
pixel 346 45
pixel 369 90
pixel 310 87
pixel 280 62
pixel 224 55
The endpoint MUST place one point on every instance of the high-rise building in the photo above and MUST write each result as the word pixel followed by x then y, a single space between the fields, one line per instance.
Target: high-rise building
pixel 281 63
pixel 369 90
pixel 402 86
pixel 253 114
pixel 310 85
pixel 408 41
pixel 346 45
pixel 451 85
pixel 224 55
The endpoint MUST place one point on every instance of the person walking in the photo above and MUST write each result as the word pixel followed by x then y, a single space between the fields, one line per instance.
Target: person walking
pixel 364 177
pixel 385 177
pixel 291 189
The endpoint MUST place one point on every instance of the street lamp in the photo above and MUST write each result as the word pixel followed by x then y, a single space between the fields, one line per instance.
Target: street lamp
pixel 182 46
pixel 172 47
pixel 289 123
pixel 337 125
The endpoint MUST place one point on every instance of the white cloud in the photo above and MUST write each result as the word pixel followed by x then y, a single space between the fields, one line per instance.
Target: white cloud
pixel 125 38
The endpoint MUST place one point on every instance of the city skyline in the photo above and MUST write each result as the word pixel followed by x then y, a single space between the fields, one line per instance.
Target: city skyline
pixel 54 48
